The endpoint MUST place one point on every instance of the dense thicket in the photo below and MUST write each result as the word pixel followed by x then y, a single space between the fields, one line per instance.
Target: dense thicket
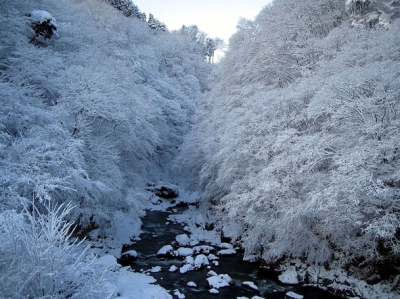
pixel 297 145
pixel 92 108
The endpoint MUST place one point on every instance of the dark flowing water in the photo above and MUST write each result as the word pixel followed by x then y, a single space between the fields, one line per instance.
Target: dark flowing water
pixel 156 234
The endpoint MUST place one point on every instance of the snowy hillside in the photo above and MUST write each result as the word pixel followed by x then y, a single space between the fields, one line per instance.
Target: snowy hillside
pixel 296 148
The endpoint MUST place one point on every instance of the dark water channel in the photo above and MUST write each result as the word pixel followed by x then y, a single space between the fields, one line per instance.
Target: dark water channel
pixel 156 234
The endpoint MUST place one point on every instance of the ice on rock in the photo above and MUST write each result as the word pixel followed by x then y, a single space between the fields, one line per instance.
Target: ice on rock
pixel 257 297
pixel 227 252
pixel 165 250
pixel 201 261
pixel 219 281
pixel 192 284
pixel 173 268
pixel 289 276
pixel 250 285
pixel 184 251
pixel 182 240
pixel 293 295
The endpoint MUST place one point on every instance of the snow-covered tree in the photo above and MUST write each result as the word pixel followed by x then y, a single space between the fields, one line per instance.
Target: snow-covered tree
pixel 296 144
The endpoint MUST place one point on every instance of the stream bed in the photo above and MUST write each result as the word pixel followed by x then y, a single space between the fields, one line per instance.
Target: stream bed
pixel 159 231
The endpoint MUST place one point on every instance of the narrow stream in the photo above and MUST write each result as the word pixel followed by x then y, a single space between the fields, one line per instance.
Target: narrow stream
pixel 157 233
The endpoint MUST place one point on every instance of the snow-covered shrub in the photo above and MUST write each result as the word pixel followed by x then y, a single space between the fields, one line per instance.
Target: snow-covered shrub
pixel 40 259
pixel 43 25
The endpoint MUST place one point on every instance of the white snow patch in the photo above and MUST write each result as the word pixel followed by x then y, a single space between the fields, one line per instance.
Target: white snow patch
pixel 219 281
pixel 194 242
pixel 211 273
pixel 179 294
pixel 131 253
pixel 173 268
pixel 251 258
pixel 184 251
pixel 155 269
pixel 189 260
pixel 41 16
pixel 186 268
pixel 289 276
pixel 199 221
pixel 225 246
pixel 212 257
pixel 201 261
pixel 203 249
pixel 165 250
pixel 214 291
pixel 183 240
pixel 130 285
pixel 126 228
pixel 227 252
pixel 250 284
pixel 108 260
pixel 293 295
pixel 192 284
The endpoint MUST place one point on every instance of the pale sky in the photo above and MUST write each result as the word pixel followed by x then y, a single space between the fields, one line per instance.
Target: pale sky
pixel 217 18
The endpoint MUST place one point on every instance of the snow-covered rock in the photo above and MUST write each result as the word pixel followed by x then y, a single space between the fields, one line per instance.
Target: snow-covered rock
pixel 189 260
pixel 250 285
pixel 251 258
pixel 215 263
pixel 214 291
pixel 293 295
pixel 212 257
pixel 173 268
pixel 182 240
pixel 257 297
pixel 205 249
pixel 225 246
pixel 186 268
pixel 130 253
pixel 107 259
pixel 201 261
pixel 165 250
pixel 194 243
pixel 184 251
pixel 211 273
pixel 199 221
pixel 227 252
pixel 289 276
pixel 156 200
pixel 192 284
pixel 178 294
pixel 155 269
pixel 219 281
